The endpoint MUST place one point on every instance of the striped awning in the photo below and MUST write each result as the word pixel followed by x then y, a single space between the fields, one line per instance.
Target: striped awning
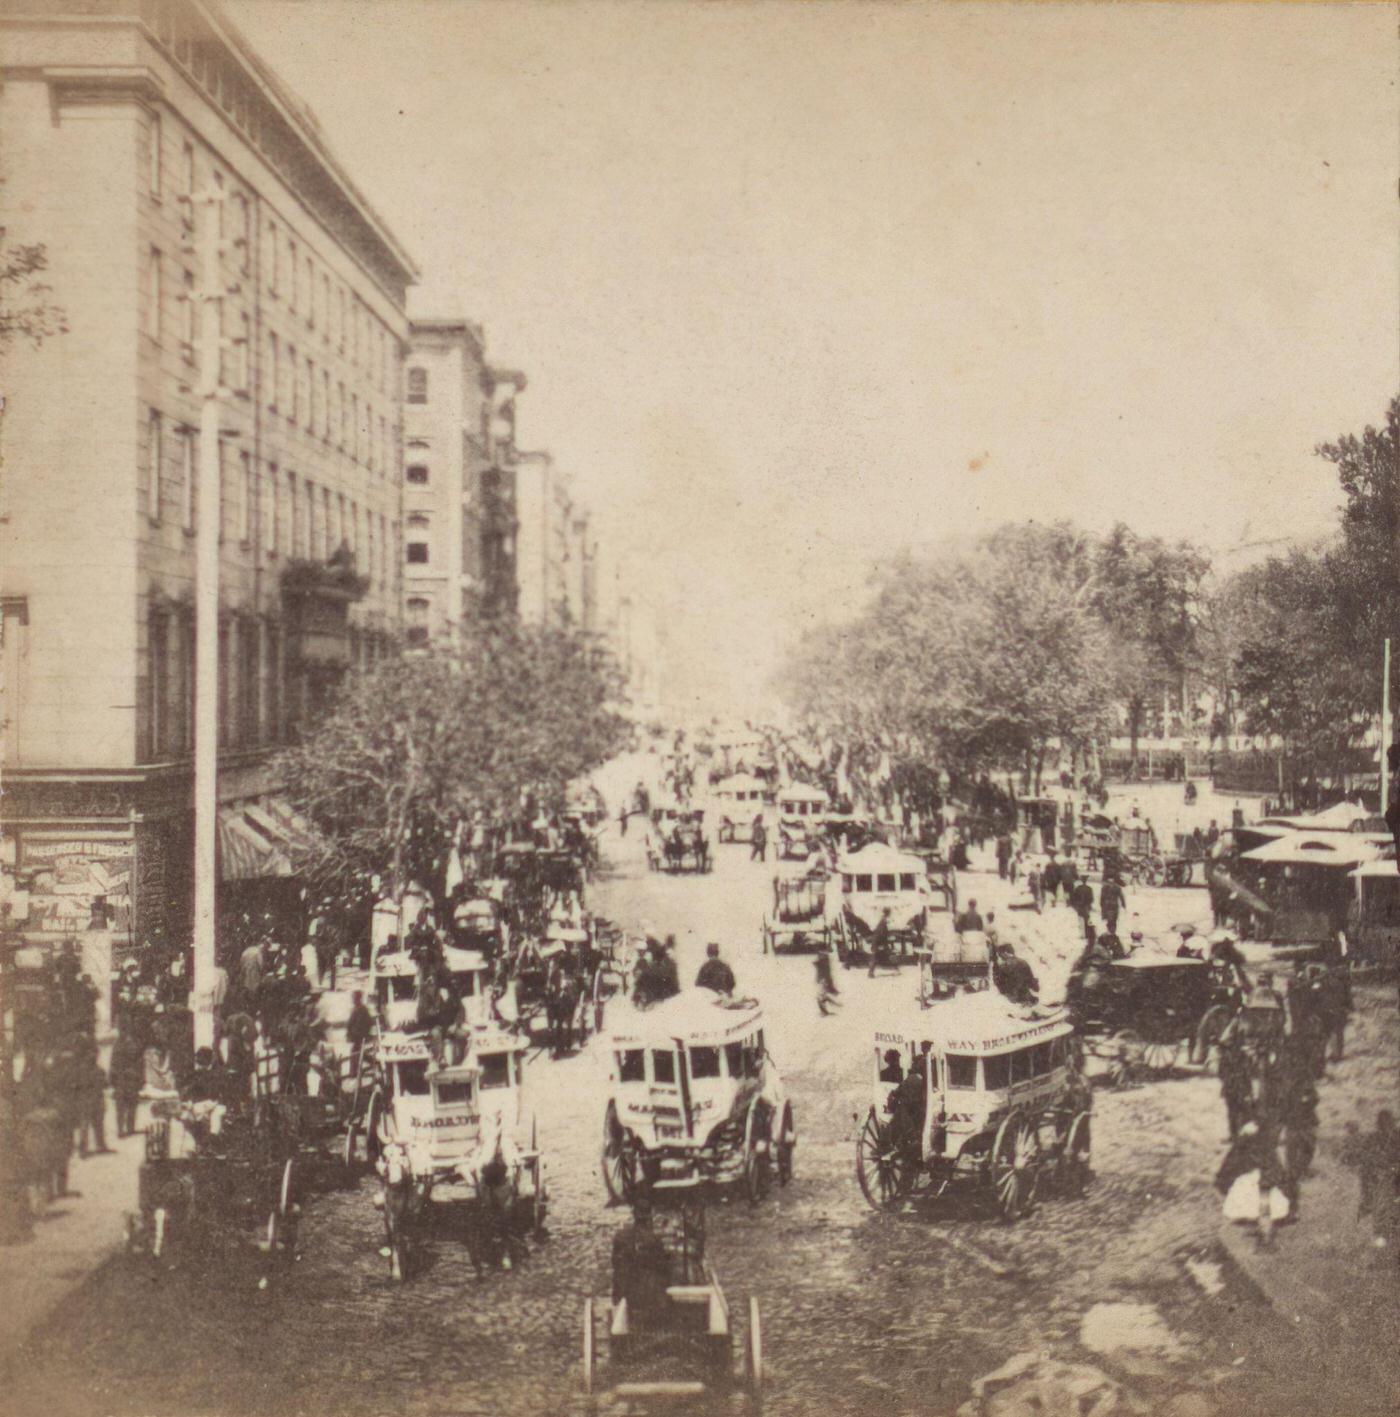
pixel 258 840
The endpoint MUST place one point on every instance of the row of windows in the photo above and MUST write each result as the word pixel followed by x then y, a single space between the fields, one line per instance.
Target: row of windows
pixel 286 514
pixel 735 1060
pixel 883 882
pixel 345 323
pixel 257 703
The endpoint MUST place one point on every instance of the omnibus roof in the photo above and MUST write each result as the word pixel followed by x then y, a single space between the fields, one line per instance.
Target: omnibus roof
pixel 694 1016
pixel 801 792
pixel 980 1023
pixel 1339 849
pixel 877 858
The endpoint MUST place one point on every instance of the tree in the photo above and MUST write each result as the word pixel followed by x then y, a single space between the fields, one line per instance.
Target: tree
pixel 25 309
pixel 419 743
pixel 1308 628
pixel 1149 595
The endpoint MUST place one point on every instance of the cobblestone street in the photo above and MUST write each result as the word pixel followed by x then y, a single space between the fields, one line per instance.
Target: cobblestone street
pixel 863 1312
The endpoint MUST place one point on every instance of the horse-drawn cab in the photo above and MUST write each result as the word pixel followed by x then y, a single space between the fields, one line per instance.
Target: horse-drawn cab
pixel 480 925
pixel 739 800
pixel 974 1089
pixel 434 1125
pixel 801 802
pixel 694 1092
pixel 880 884
pixel 684 849
pixel 800 917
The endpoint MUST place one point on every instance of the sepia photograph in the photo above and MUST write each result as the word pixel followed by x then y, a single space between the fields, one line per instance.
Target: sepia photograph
pixel 698 708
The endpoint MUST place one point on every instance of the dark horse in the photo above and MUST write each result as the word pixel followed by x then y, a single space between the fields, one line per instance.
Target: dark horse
pixel 563 989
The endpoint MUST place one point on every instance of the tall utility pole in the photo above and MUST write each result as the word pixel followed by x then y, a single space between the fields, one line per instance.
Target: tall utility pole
pixel 1385 727
pixel 210 295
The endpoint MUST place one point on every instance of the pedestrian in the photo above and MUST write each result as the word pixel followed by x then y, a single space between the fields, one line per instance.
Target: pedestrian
pixel 1050 879
pixel 91 1102
pixel 1081 898
pixel 880 941
pixel 828 996
pixel 1003 855
pixel 1036 888
pixel 359 1029
pixel 759 849
pixel 1378 1159
pixel 1112 902
pixel 622 821
pixel 1236 1081
pixel 126 1070
pixel 969 919
pixel 715 973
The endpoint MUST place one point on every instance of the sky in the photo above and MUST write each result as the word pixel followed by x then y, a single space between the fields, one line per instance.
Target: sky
pixel 797 285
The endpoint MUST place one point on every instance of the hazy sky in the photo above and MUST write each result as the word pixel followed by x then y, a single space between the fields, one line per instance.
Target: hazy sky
pixel 795 285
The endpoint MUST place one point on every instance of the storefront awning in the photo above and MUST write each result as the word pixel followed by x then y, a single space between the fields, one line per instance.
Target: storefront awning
pixel 258 841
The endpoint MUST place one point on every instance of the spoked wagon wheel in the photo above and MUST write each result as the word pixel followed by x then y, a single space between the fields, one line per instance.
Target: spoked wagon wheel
pixel 619 1163
pixel 1154 873
pixel 1072 1166
pixel 1205 1046
pixel 1125 1060
pixel 1159 1055
pixel 757 1161
pixel 883 1173
pixel 787 1144
pixel 349 1151
pixel 374 1124
pixel 395 1212
pixel 753 1355
pixel 1014 1166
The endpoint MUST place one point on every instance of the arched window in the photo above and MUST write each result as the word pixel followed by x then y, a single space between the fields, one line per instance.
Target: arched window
pixel 417 385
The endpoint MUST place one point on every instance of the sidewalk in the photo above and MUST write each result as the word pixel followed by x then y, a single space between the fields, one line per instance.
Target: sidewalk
pixel 70 1240
pixel 1323 1276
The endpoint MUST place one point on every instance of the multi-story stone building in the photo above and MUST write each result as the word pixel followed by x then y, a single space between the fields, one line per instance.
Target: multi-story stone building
pixel 459 504
pixel 556 551
pixel 119 117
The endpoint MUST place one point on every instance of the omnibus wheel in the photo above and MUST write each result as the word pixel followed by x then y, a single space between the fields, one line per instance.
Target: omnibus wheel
pixel 757 1162
pixel 883 1174
pixel 619 1165
pixel 1014 1165
pixel 1159 1055
pixel 1126 1059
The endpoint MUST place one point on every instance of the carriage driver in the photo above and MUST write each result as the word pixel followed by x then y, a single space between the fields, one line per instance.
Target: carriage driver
pixel 906 1105
pixel 641 1268
pixel 715 973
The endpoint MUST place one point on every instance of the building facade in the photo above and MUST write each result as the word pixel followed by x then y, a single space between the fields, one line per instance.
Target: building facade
pixel 459 486
pixel 557 551
pixel 132 126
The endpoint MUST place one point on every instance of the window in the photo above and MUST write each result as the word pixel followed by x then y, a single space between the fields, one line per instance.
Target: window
pixel 289 368
pixel 308 401
pixel 1021 1065
pixel 734 1059
pixel 962 1072
pixel 663 1065
pixel 418 610
pixel 413 1078
pixel 220 205
pixel 996 1072
pixel 157 678
pixel 242 355
pixel 309 547
pixel 326 308
pixel 153 466
pixel 187 183
pixel 342 525
pixel 384 545
pixel 326 405
pixel 189 457
pixel 249 685
pixel 242 234
pixel 310 292
pixel 355 426
pixel 273 261
pixel 293 530
pixel 862 883
pixel 187 322
pixel 1042 1059
pixel 417 385
pixel 352 529
pixel 495 1069
pixel 274 362
pixel 273 639
pixel 327 531
pixel 269 533
pixel 906 881
pixel 245 498
pixel 416 553
pixel 153 156
pixel 342 416
pixel 419 520
pixel 416 474
pixel 631 1065
pixel 884 882
pixel 291 274
pixel 704 1062
pixel 153 294
pixel 340 320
